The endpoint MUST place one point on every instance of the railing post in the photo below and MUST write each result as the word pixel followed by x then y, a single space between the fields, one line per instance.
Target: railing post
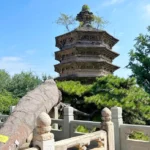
pixel 108 126
pixel 55 117
pixel 12 109
pixel 117 120
pixel 68 117
pixel 43 139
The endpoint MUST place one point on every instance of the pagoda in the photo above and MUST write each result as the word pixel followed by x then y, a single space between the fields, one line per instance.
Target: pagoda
pixel 86 52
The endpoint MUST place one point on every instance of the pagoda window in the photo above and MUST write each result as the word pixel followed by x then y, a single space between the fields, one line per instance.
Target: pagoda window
pixel 63 56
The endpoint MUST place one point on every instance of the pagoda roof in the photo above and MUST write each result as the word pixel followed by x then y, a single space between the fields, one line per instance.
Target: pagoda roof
pixel 102 63
pixel 101 48
pixel 89 29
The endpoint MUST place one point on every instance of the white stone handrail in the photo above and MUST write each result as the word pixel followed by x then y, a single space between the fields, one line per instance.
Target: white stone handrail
pixel 127 143
pixel 81 141
pixel 88 124
pixel 58 121
pixel 3 118
pixel 131 127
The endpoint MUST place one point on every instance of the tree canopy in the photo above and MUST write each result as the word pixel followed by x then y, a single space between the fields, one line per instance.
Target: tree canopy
pixel 139 61
pixel 15 87
pixel 4 80
pixel 65 20
pixel 22 83
pixel 109 91
pixel 7 100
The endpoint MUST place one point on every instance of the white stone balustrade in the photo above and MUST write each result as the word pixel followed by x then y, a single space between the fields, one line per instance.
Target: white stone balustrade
pixel 82 141
pixel 43 138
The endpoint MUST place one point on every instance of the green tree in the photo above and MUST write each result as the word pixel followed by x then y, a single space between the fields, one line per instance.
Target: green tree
pixel 4 80
pixel 109 91
pixel 22 83
pixel 65 20
pixel 99 22
pixel 45 77
pixel 139 61
pixel 6 100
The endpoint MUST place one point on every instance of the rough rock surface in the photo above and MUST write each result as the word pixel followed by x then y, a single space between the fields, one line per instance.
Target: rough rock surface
pixel 22 121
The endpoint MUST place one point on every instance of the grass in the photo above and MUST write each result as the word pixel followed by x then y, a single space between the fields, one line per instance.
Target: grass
pixel 138 135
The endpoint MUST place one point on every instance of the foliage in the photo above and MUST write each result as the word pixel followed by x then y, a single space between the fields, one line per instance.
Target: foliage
pixel 139 61
pixel 109 91
pixel 4 80
pixel 45 77
pixel 73 87
pixel 137 135
pixel 85 8
pixel 82 129
pixel 22 83
pixel 6 100
pixel 65 20
pixel 99 22
pixel 15 87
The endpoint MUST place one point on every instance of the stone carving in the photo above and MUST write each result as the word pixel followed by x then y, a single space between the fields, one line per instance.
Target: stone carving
pixel 85 16
pixel 43 128
pixel 21 122
pixel 43 138
pixel 108 126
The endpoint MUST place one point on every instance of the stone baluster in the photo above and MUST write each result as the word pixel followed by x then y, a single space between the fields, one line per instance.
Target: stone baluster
pixel 43 138
pixel 68 117
pixel 118 121
pixel 108 126
pixel 56 117
pixel 12 109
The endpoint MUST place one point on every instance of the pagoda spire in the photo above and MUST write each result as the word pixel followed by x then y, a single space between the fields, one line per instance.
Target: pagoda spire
pixel 85 16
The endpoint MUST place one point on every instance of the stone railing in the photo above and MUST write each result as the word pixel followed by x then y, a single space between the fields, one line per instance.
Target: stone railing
pixel 42 139
pixel 64 130
pixel 3 118
pixel 122 132
pixel 89 125
pixel 84 141
pixel 67 125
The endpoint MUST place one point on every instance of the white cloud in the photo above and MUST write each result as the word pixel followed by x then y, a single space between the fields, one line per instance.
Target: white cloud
pixel 14 64
pixel 30 51
pixel 10 59
pixel 147 10
pixel 112 2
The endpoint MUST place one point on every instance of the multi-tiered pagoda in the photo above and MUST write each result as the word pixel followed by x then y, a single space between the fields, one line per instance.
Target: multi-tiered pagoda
pixel 85 52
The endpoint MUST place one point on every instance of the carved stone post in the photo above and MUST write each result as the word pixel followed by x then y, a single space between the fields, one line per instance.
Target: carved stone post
pixel 68 117
pixel 12 109
pixel 108 126
pixel 117 120
pixel 56 117
pixel 43 138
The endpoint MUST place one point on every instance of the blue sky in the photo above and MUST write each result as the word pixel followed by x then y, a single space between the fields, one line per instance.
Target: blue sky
pixel 28 30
